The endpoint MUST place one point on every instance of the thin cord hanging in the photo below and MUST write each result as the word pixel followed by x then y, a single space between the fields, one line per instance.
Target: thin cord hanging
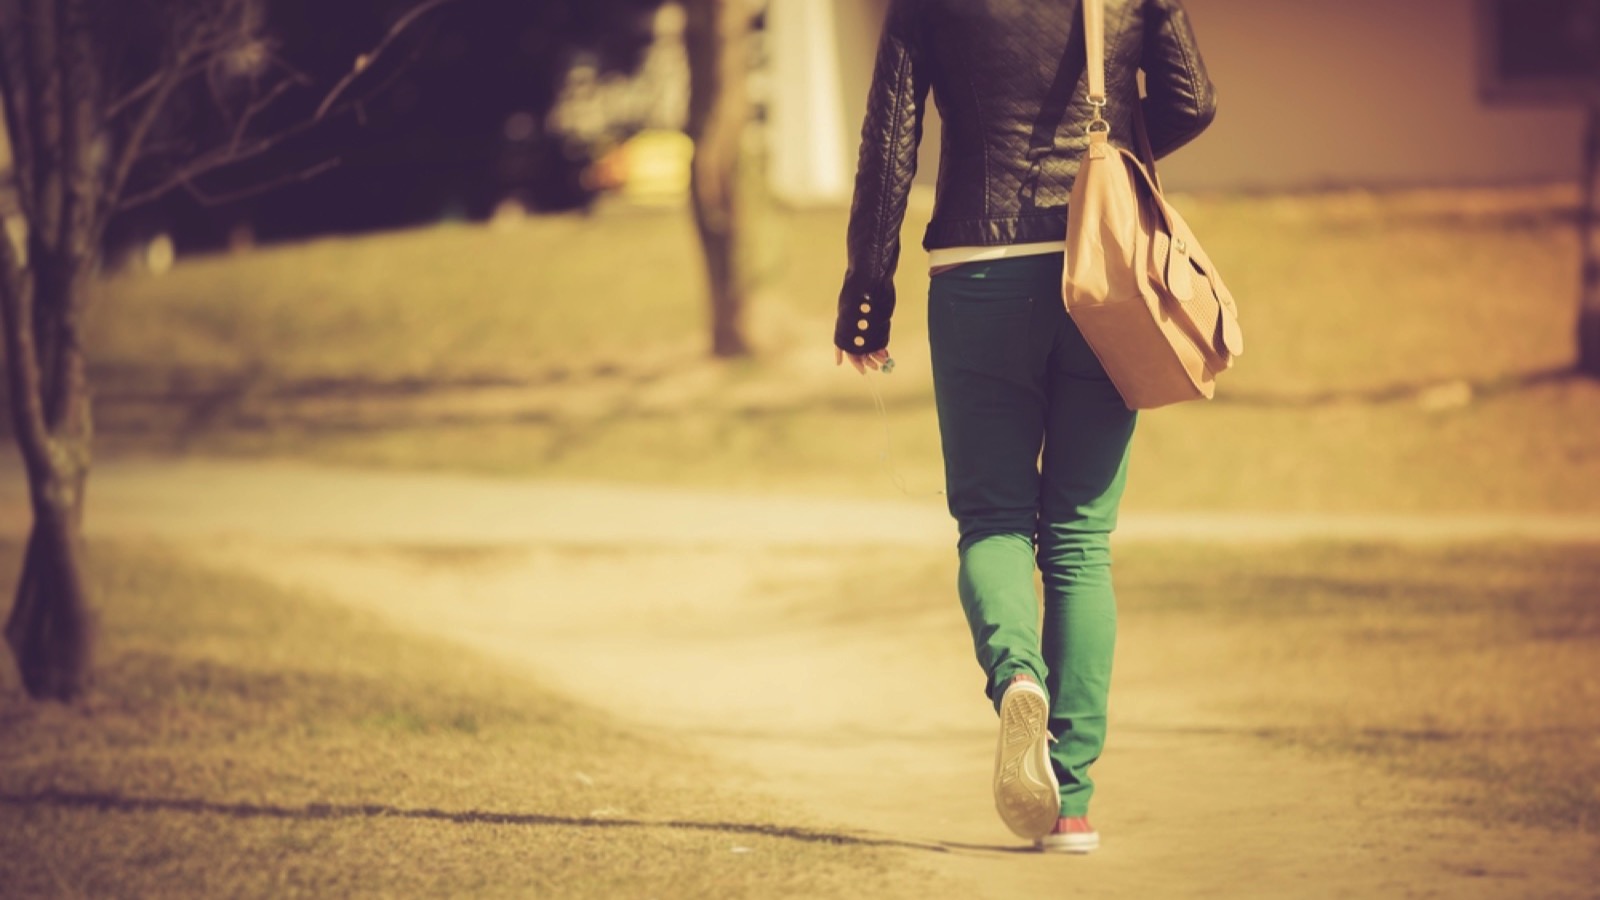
pixel 887 453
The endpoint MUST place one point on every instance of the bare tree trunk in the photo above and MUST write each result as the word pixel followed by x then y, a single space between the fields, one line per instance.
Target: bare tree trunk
pixel 50 93
pixel 48 629
pixel 1589 307
pixel 717 38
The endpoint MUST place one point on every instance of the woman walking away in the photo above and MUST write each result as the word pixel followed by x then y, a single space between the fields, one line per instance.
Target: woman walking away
pixel 1035 437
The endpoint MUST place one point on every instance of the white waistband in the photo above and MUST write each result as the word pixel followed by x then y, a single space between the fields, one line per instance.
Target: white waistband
pixel 953 256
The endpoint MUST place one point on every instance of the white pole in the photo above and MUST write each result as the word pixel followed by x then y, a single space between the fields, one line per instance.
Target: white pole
pixel 807 154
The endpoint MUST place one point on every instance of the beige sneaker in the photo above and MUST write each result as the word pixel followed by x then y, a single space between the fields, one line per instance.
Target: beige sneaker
pixel 1070 835
pixel 1025 788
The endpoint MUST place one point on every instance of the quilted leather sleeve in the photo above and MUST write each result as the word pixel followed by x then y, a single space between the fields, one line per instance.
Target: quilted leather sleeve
pixel 1180 100
pixel 888 160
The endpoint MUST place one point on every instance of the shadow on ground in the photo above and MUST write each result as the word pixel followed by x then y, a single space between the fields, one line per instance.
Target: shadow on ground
pixel 114 802
pixel 118 803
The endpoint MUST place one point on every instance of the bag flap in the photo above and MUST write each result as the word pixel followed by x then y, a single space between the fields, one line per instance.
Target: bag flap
pixel 1182 259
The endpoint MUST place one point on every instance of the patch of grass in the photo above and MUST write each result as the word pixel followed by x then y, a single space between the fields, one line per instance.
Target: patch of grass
pixel 1363 289
pixel 1534 449
pixel 1337 290
pixel 1531 451
pixel 449 301
pixel 533 352
pixel 245 741
pixel 1471 666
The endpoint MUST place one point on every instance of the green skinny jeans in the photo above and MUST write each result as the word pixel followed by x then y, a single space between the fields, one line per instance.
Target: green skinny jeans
pixel 1035 441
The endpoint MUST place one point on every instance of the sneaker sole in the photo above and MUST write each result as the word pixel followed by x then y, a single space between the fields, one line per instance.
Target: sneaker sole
pixel 1069 843
pixel 1026 792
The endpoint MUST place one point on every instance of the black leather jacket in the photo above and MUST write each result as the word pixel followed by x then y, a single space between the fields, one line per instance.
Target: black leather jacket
pixel 1008 77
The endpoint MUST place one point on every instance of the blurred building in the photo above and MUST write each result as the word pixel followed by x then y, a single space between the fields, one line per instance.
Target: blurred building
pixel 1352 93
pixel 1362 92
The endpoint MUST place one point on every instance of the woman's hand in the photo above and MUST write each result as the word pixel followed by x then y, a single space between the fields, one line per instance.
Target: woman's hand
pixel 862 361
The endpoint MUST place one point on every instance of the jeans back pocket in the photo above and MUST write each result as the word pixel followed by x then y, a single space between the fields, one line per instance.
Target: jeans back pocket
pixel 978 330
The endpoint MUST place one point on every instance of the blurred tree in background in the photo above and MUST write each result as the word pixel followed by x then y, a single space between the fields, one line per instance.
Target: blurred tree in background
pixel 109 104
pixel 461 127
pixel 209 118
pixel 718 40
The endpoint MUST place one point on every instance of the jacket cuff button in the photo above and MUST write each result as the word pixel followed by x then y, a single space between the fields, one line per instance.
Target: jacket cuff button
pixel 861 342
pixel 862 325
pixel 866 307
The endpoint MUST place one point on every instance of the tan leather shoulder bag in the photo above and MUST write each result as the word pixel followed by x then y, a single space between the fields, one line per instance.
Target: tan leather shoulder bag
pixel 1145 296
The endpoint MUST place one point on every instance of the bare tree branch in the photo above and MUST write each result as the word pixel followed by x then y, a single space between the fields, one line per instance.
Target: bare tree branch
pixel 216 158
pixel 118 106
pixel 212 160
pixel 204 42
pixel 210 199
pixel 238 149
pixel 239 121
pixel 174 145
pixel 294 71
pixel 255 108
pixel 14 104
pixel 133 146
pixel 365 60
pixel 193 60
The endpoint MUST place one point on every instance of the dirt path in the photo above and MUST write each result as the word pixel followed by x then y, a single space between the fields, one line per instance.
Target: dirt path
pixel 686 611
pixel 301 502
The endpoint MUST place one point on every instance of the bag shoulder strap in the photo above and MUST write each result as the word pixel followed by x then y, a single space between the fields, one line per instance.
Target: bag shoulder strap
pixel 1094 44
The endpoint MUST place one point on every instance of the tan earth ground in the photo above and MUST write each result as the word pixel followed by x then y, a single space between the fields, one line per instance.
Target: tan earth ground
pixel 680 610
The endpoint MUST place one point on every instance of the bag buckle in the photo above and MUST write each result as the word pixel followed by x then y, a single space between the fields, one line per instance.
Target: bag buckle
pixel 1098 104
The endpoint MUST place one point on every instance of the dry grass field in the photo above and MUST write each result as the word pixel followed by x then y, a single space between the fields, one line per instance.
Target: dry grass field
pixel 1405 351
pixel 246 738
pixel 242 740
pixel 251 740
pixel 1408 352
pixel 1472 666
